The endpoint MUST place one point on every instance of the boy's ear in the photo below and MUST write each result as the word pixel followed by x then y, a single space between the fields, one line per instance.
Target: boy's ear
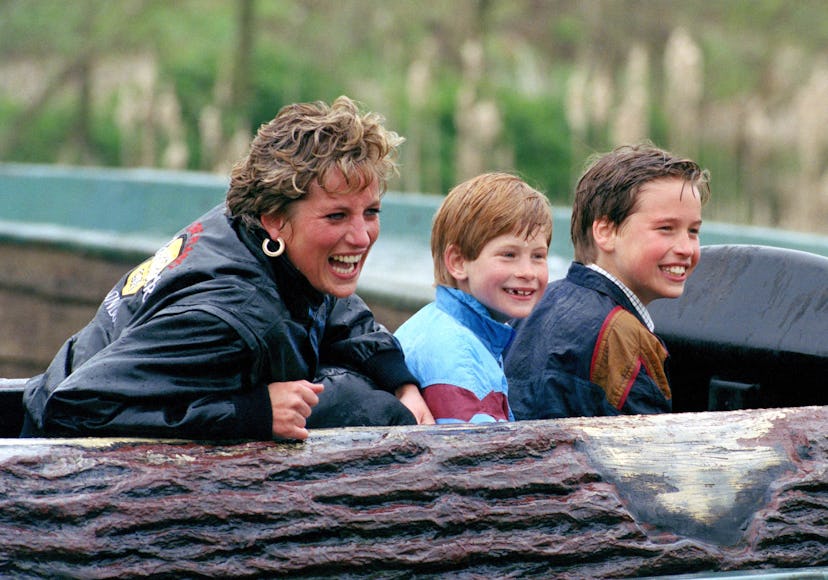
pixel 455 262
pixel 603 232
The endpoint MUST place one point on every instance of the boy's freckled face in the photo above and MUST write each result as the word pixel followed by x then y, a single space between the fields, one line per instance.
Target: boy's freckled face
pixel 509 276
pixel 657 247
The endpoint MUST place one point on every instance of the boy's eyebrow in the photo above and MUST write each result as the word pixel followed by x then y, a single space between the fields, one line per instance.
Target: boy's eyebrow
pixel 673 220
pixel 523 244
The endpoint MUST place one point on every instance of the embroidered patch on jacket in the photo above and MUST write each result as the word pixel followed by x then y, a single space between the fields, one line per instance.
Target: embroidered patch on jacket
pixel 148 271
pixel 145 275
pixel 625 345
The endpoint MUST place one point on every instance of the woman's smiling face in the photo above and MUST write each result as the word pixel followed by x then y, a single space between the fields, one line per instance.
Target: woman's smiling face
pixel 329 232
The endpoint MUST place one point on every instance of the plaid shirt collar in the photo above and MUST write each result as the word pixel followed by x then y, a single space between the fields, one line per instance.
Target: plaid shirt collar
pixel 639 306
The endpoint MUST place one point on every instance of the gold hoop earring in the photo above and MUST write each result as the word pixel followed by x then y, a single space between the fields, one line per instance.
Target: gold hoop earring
pixel 273 253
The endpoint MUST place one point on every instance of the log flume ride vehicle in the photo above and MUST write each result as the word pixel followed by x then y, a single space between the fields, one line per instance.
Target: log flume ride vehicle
pixel 735 481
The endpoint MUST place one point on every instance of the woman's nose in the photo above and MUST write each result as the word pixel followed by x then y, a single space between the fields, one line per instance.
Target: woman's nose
pixel 359 234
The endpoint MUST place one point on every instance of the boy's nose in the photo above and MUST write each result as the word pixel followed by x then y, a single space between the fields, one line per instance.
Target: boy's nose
pixel 686 245
pixel 526 270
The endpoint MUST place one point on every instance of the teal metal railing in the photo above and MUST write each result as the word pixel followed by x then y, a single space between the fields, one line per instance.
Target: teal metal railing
pixel 133 211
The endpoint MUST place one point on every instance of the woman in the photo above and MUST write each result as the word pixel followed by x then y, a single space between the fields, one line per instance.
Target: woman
pixel 223 333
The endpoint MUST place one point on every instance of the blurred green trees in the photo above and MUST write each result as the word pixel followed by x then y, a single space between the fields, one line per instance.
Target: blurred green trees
pixel 532 86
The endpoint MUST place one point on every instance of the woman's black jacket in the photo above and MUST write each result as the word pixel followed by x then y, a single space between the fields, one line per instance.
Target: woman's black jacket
pixel 185 344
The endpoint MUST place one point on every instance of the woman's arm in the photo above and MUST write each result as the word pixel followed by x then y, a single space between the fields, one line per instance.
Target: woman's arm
pixel 184 374
pixel 354 339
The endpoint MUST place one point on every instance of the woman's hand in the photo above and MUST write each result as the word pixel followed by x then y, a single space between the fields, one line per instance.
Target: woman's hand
pixel 409 395
pixel 291 403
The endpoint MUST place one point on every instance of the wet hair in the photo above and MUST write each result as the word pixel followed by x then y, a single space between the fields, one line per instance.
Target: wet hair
pixel 481 209
pixel 300 146
pixel 610 185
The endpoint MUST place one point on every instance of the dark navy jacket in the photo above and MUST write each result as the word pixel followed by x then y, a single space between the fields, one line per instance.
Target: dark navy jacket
pixel 585 351
pixel 186 343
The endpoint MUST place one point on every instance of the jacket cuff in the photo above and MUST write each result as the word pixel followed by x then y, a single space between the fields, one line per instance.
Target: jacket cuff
pixel 255 415
pixel 388 370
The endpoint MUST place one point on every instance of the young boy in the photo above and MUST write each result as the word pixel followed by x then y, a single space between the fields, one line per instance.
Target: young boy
pixel 588 349
pixel 489 243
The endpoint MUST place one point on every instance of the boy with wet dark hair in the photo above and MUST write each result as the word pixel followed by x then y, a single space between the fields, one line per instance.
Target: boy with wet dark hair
pixel 589 347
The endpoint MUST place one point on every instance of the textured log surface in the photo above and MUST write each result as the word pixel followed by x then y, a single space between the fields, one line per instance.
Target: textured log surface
pixel 575 498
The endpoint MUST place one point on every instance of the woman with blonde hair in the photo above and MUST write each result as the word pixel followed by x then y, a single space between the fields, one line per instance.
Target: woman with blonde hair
pixel 245 325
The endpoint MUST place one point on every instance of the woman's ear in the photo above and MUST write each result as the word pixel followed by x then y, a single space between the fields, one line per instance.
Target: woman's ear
pixel 272 224
pixel 603 232
pixel 455 262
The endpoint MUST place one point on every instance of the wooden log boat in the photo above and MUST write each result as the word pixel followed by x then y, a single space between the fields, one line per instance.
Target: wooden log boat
pixel 571 498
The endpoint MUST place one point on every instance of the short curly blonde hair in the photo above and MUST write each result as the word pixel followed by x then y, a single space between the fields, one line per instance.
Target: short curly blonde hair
pixel 300 146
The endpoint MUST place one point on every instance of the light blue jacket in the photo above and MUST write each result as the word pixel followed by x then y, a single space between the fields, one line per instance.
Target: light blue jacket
pixel 455 348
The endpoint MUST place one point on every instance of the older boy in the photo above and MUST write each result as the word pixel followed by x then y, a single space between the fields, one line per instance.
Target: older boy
pixel 589 349
pixel 489 243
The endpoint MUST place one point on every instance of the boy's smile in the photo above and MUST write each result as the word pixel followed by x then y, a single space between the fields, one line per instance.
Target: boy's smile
pixel 509 276
pixel 657 247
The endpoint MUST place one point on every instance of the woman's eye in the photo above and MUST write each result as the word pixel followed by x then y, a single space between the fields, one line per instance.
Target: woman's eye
pixel 336 216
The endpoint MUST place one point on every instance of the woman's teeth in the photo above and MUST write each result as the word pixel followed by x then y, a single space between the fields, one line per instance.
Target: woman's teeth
pixel 345 264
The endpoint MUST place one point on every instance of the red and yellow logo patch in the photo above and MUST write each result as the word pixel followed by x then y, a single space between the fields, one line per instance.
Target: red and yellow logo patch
pixel 149 269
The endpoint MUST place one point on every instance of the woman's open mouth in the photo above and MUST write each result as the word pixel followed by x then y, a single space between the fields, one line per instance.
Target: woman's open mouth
pixel 345 265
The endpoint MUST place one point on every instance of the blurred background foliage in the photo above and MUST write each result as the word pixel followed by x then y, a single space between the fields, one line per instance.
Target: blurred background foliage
pixel 531 86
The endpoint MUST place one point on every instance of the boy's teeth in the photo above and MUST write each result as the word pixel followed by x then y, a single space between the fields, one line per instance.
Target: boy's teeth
pixel 677 270
pixel 520 292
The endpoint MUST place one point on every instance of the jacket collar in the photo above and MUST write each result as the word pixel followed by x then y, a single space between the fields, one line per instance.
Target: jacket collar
pixel 469 312
pixel 294 289
pixel 590 278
